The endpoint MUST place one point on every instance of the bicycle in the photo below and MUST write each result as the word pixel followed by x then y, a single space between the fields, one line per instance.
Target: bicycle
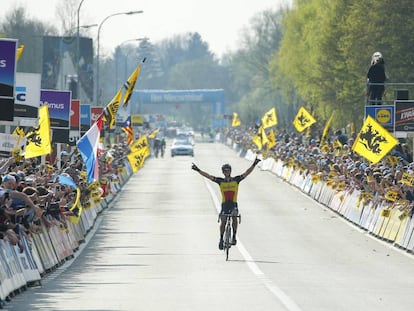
pixel 228 233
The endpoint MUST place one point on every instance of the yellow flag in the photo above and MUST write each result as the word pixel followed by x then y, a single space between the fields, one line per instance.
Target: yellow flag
pixel 393 160
pixel 261 138
pixel 112 108
pixel 154 133
pixel 136 159
pixel 38 140
pixel 130 84
pixel 141 144
pixel 326 129
pixel 271 140
pixel 236 121
pixel 407 179
pixel 269 119
pixel 76 209
pixel 303 120
pixel 373 141
pixel 19 132
pixel 19 51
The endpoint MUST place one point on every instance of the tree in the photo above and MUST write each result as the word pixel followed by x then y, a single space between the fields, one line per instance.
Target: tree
pixel 29 32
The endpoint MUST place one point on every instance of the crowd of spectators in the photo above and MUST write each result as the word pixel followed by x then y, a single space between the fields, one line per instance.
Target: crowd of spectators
pixel 335 163
pixel 31 194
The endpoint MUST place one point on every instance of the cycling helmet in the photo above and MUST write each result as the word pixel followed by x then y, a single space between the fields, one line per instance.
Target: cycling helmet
pixel 226 167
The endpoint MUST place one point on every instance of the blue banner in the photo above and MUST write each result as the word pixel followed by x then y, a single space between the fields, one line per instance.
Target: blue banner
pixel 59 107
pixel 85 117
pixel 383 114
pixel 7 78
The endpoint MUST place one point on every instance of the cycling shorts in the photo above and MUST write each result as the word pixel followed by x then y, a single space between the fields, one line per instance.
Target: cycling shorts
pixel 229 208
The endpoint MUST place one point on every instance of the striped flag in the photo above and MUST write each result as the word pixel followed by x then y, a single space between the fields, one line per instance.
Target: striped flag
pixel 129 131
pixel 88 148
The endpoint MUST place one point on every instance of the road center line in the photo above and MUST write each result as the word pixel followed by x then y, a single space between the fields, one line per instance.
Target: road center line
pixel 273 288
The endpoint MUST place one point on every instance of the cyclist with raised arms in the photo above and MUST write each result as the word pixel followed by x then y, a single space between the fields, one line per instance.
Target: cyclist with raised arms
pixel 228 187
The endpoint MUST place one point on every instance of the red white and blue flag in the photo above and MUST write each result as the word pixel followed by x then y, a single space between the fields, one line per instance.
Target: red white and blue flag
pixel 88 148
pixel 129 131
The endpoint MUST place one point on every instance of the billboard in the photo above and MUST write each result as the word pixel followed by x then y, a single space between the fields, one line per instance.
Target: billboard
pixel 59 107
pixel 7 78
pixel 27 100
pixel 59 63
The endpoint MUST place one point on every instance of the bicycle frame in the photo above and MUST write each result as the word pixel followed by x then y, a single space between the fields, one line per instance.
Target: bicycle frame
pixel 228 232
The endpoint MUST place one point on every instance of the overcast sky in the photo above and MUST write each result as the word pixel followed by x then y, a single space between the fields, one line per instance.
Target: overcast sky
pixel 219 22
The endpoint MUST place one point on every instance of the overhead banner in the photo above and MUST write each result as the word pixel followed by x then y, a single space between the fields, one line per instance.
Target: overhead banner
pixel 7 78
pixel 59 107
pixel 27 100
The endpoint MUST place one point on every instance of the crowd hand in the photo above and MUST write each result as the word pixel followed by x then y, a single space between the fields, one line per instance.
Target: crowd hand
pixel 195 167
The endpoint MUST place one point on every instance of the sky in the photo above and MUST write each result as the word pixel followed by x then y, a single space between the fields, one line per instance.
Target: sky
pixel 219 22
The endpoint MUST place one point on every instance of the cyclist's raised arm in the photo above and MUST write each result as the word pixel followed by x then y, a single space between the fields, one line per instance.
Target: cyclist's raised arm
pixel 202 173
pixel 251 168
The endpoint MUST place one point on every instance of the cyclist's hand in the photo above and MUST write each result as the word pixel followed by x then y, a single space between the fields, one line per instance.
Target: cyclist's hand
pixel 195 167
pixel 257 160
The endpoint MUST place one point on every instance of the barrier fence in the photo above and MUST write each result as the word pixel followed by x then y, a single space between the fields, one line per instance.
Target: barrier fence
pixel 51 246
pixel 389 221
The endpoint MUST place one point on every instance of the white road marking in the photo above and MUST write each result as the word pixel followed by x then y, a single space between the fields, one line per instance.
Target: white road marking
pixel 273 288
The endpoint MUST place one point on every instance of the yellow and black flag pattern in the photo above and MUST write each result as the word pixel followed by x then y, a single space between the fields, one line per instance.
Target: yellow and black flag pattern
pixel 38 140
pixel 269 119
pixel 112 108
pixel 373 141
pixel 303 120
pixel 130 84
pixel 261 138
pixel 326 129
pixel 139 152
pixel 140 144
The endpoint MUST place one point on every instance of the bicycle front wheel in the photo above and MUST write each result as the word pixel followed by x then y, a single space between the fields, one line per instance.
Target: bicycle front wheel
pixel 227 243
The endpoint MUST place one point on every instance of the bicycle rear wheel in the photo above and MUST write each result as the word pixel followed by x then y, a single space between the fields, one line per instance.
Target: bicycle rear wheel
pixel 227 243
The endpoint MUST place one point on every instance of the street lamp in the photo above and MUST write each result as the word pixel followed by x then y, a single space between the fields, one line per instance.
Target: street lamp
pixel 126 57
pixel 98 47
pixel 77 49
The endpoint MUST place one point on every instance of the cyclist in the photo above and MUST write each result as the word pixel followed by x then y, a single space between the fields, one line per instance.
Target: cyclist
pixel 228 187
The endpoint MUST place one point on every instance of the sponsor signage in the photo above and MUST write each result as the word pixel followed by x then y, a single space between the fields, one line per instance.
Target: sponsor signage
pixel 59 107
pixel 7 78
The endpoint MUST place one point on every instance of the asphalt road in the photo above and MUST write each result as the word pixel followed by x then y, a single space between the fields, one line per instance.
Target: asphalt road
pixel 156 249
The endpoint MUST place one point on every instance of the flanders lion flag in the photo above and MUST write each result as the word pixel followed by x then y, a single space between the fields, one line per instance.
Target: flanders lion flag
pixel 38 140
pixel 373 141
pixel 269 119
pixel 303 120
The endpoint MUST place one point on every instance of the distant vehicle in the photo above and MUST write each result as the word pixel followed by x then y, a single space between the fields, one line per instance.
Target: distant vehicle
pixel 185 131
pixel 182 147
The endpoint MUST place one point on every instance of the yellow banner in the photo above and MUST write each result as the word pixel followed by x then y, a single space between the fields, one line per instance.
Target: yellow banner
pixel 38 140
pixel 303 120
pixel 112 108
pixel 269 119
pixel 373 141
pixel 236 121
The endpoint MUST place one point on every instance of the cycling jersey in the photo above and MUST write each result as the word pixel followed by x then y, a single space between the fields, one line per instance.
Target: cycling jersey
pixel 229 188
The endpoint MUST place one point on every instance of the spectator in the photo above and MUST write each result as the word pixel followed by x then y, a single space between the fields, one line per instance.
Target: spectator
pixel 376 78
